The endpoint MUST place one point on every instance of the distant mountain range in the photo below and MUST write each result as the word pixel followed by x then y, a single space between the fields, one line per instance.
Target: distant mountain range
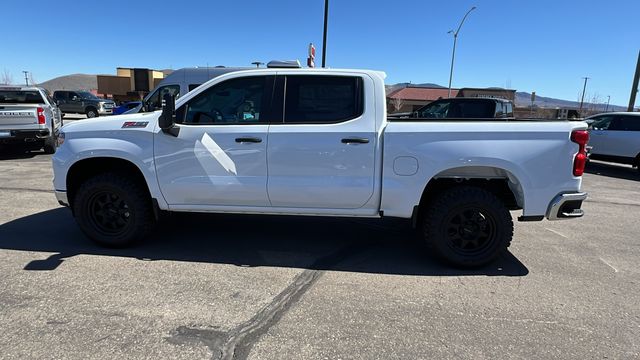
pixel 71 82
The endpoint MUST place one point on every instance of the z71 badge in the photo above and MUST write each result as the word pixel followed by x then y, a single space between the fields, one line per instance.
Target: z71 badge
pixel 134 124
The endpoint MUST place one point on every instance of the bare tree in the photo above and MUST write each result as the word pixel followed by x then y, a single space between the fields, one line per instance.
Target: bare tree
pixel 397 104
pixel 6 78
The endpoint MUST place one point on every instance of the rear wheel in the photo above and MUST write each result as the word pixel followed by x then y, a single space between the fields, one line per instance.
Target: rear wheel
pixel 113 210
pixel 468 226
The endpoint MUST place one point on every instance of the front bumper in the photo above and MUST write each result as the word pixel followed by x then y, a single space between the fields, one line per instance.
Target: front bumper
pixel 61 196
pixel 566 206
pixel 19 136
pixel 105 111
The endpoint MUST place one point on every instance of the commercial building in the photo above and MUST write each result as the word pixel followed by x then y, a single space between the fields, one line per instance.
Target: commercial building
pixel 129 84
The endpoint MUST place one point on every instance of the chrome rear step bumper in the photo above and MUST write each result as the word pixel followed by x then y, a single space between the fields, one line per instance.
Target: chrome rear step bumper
pixel 566 206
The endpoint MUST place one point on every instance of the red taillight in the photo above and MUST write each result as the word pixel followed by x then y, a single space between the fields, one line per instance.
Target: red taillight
pixel 41 118
pixel 580 137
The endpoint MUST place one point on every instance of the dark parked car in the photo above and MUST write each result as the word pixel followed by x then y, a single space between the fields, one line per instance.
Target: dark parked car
pixel 82 102
pixel 126 107
pixel 463 108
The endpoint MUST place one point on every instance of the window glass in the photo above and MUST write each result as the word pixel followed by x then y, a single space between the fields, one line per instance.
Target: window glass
pixel 602 123
pixel 322 99
pixel 20 97
pixel 155 101
pixel 436 110
pixel 235 101
pixel 629 123
pixel 509 110
pixel 472 109
pixel 193 86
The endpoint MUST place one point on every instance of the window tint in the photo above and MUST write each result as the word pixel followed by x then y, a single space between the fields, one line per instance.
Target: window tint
pixel 59 95
pixel 235 101
pixel 155 101
pixel 628 123
pixel 193 86
pixel 20 97
pixel 322 99
pixel 435 110
pixel 472 110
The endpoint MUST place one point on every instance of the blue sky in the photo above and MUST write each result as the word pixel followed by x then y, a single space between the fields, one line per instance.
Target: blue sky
pixel 542 46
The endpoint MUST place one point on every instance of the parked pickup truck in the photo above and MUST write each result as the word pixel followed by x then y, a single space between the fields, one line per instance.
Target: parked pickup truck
pixel 318 142
pixel 83 102
pixel 463 108
pixel 29 118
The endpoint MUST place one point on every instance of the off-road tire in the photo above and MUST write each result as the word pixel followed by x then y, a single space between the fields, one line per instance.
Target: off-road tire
pixel 467 226
pixel 113 198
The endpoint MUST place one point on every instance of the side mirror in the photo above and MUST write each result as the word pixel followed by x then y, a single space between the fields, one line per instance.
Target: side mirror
pixel 167 119
pixel 74 98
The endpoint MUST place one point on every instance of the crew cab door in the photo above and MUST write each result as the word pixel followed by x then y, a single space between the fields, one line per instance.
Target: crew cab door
pixel 218 157
pixel 616 135
pixel 322 153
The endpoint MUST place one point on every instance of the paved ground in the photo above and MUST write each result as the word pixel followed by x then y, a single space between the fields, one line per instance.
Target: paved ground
pixel 302 288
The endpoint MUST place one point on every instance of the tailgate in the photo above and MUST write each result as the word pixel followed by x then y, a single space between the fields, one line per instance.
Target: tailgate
pixel 18 116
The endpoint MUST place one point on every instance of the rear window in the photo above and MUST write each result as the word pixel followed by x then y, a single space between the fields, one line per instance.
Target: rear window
pixel 472 110
pixel 322 99
pixel 20 97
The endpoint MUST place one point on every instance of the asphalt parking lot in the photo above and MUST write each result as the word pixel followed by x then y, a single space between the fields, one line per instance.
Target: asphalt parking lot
pixel 223 286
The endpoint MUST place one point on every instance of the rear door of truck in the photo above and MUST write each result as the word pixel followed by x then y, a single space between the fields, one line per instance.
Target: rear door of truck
pixel 322 153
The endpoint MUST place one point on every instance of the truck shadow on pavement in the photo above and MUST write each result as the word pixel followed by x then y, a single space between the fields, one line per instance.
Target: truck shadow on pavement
pixel 612 170
pixel 340 244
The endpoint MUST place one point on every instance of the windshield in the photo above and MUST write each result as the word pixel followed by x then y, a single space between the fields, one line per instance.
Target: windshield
pixel 20 97
pixel 87 95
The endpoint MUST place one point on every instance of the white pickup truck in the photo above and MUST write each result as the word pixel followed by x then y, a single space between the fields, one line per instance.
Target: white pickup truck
pixel 318 142
pixel 29 118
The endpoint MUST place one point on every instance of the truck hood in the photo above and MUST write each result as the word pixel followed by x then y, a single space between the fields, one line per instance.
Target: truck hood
pixel 141 121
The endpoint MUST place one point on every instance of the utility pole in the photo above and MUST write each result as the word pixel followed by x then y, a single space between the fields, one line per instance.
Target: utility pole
pixel 455 40
pixel 324 33
pixel 26 78
pixel 634 87
pixel 608 99
pixel 583 91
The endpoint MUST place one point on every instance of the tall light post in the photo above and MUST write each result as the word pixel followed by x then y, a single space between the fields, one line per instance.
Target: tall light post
pixel 455 40
pixel 26 78
pixel 583 91
pixel 608 99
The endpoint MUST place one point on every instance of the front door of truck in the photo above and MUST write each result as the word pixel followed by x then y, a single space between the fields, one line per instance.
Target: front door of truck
pixel 219 155
pixel 321 154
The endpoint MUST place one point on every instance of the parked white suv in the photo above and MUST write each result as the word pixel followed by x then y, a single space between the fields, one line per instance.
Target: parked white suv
pixel 615 137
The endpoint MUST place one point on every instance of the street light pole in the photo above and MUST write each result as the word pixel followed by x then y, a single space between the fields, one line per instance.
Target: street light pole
pixel 26 79
pixel 455 40
pixel 583 90
pixel 608 99
pixel 324 33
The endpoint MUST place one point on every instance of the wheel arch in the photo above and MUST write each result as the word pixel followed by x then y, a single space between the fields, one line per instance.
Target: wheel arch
pixel 84 169
pixel 501 182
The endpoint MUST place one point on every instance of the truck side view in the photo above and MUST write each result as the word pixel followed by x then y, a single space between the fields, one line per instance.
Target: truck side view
pixel 318 142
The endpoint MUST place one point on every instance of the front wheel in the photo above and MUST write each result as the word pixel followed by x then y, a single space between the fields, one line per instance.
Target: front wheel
pixel 91 113
pixel 468 226
pixel 113 210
